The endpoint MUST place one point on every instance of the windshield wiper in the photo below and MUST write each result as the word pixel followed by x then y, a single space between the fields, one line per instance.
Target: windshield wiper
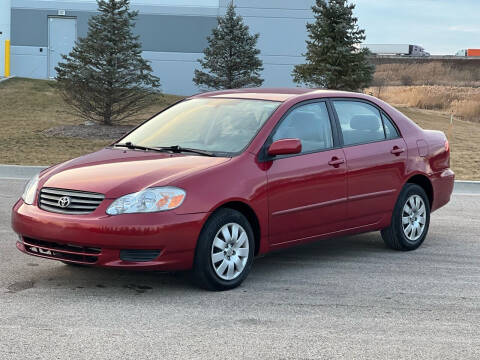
pixel 129 145
pixel 174 148
pixel 179 149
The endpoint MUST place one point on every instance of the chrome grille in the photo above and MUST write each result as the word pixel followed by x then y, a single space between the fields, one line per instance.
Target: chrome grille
pixel 69 201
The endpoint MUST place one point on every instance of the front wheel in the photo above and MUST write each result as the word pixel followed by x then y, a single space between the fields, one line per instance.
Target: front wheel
pixel 225 251
pixel 410 220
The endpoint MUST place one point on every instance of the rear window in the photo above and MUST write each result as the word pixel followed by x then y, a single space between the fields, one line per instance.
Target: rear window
pixel 391 131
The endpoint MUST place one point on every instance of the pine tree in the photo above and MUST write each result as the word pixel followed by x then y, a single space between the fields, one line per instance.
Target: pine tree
pixel 231 58
pixel 333 59
pixel 104 78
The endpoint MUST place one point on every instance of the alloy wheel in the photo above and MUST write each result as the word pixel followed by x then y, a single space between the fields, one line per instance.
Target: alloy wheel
pixel 230 251
pixel 414 217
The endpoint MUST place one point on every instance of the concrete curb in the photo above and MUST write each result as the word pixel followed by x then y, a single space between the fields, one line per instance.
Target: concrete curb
pixel 19 172
pixel 466 187
pixel 22 172
pixel 4 78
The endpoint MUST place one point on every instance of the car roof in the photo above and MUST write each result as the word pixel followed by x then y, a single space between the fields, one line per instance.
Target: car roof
pixel 276 94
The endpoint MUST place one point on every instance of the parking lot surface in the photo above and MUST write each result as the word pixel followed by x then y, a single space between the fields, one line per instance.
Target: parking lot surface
pixel 341 298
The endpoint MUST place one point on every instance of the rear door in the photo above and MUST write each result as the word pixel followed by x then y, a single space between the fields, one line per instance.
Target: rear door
pixel 306 191
pixel 376 159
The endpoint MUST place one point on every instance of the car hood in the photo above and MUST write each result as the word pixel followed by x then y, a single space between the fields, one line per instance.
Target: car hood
pixel 116 172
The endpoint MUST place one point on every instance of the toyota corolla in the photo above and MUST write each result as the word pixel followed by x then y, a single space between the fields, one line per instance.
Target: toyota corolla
pixel 219 178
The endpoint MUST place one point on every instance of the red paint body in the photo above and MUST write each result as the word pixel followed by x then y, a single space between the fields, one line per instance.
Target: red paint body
pixel 346 190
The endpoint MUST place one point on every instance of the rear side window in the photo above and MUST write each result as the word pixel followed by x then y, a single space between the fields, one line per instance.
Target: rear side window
pixel 390 129
pixel 359 121
pixel 310 124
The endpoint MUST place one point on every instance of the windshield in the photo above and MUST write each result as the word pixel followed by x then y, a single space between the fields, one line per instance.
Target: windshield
pixel 215 125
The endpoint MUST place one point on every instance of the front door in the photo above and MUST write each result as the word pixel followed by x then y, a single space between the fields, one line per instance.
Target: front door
pixel 306 191
pixel 62 33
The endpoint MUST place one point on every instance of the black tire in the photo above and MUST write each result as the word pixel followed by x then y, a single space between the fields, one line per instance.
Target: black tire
pixel 394 236
pixel 204 274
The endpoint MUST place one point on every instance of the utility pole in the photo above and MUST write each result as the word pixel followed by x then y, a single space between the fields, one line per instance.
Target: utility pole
pixel 5 18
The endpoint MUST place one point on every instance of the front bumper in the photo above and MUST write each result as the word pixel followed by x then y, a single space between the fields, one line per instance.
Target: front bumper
pixel 98 239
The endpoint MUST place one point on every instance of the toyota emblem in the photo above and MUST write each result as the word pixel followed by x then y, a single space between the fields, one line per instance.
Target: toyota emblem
pixel 64 202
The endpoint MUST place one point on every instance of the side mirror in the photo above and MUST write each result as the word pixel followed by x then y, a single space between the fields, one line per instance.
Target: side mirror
pixel 285 147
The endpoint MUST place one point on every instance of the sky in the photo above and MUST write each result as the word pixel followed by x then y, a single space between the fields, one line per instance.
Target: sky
pixel 442 27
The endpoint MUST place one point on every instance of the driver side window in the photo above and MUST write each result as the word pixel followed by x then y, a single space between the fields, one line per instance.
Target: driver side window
pixel 310 124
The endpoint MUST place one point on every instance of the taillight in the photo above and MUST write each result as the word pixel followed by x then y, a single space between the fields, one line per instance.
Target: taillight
pixel 447 146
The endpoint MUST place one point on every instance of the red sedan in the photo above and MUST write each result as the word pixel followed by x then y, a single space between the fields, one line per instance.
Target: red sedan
pixel 219 178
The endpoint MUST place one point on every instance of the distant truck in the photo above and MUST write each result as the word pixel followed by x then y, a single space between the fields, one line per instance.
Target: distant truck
pixel 396 49
pixel 468 52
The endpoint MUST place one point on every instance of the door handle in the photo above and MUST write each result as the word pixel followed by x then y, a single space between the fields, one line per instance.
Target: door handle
pixel 397 151
pixel 336 162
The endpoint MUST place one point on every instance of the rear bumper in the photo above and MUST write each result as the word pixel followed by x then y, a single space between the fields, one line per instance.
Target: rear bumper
pixel 442 183
pixel 98 239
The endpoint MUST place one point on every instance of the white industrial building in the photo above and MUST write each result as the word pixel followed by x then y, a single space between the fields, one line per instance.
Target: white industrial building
pixel 173 35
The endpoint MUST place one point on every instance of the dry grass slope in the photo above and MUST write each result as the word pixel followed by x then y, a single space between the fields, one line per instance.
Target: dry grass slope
pixel 29 107
pixel 452 87
pixel 430 73
pixel 462 102
pixel 464 140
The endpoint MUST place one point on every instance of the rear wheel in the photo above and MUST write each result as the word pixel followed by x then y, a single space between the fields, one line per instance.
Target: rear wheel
pixel 410 220
pixel 224 251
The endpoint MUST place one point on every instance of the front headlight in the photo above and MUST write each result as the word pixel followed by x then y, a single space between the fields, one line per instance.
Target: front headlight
pixel 148 200
pixel 30 190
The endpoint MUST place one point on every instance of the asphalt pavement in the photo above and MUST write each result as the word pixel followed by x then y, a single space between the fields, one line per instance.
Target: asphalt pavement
pixel 342 298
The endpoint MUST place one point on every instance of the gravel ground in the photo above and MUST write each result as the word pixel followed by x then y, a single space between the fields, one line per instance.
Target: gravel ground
pixel 342 298
pixel 94 131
